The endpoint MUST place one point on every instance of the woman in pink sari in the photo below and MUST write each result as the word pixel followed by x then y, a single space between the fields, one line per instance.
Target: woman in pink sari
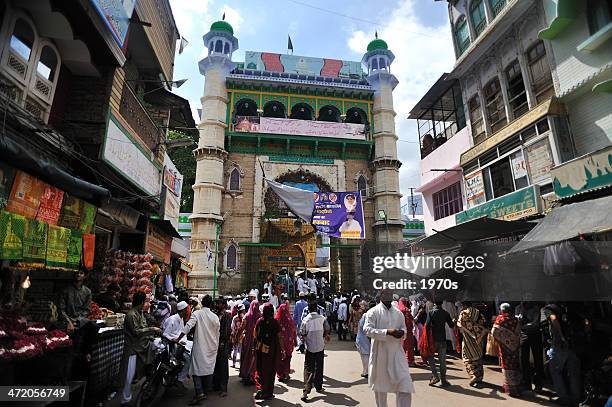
pixel 288 341
pixel 507 334
pixel 247 353
pixel 404 307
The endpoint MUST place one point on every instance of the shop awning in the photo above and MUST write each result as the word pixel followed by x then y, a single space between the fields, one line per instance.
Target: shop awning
pixel 474 230
pixel 181 118
pixel 166 227
pixel 569 222
pixel 433 100
pixel 27 160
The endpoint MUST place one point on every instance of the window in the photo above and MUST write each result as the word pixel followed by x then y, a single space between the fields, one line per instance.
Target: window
pixel 274 109
pixel 234 182
pixel 226 49
pixel 302 111
pixel 497 6
pixel 477 14
pixel 246 107
pixel 539 69
pixel 501 178
pixel 478 128
pixel 448 201
pixel 22 40
pixel 374 64
pixel 356 115
pixel 599 14
pixel 47 64
pixel 462 35
pixel 329 113
pixel 516 90
pixel 494 103
pixel 210 47
pixel 231 257
pixel 519 169
pixel 219 46
pixel 382 64
pixel 362 186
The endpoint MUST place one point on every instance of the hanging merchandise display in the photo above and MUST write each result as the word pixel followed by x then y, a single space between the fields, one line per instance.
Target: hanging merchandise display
pixel 11 236
pixel 35 241
pixel 25 195
pixel 57 246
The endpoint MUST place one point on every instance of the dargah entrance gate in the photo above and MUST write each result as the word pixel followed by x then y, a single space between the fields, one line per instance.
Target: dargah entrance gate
pixel 318 124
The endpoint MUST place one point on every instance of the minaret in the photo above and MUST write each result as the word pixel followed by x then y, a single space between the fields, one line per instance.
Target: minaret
pixel 385 165
pixel 210 156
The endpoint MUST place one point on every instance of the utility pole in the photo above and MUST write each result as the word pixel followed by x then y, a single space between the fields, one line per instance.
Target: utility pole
pixel 412 204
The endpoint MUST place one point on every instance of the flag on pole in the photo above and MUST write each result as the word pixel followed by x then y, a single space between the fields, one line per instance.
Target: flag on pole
pixel 289 44
pixel 223 18
pixel 183 44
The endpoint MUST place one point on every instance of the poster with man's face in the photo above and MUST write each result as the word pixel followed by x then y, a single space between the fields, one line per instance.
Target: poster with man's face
pixel 339 214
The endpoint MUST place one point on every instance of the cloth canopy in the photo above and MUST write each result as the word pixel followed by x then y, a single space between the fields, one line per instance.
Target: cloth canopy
pixel 568 222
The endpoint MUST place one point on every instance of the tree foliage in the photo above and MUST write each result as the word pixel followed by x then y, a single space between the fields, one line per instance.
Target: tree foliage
pixel 186 164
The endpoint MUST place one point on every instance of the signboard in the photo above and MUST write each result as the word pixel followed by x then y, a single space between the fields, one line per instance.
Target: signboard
pixel 582 174
pixel 184 224
pixel 130 159
pixel 158 243
pixel 516 205
pixel 518 165
pixel 339 214
pixel 272 125
pixel 116 15
pixel 539 160
pixel 474 189
pixel 173 183
pixel 331 68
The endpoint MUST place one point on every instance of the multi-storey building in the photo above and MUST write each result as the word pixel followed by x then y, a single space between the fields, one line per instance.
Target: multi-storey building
pixel 515 130
pixel 316 123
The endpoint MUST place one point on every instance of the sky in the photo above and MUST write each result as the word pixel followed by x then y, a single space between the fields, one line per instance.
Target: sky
pixel 417 31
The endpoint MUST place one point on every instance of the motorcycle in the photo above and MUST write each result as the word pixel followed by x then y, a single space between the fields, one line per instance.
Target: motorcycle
pixel 163 373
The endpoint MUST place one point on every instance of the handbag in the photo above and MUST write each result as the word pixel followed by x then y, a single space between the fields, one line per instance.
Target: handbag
pixel 492 346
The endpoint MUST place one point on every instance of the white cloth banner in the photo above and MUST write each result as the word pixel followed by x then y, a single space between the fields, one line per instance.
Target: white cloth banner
pixel 299 201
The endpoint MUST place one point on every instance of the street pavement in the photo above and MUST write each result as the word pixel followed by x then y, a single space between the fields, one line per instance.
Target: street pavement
pixel 344 387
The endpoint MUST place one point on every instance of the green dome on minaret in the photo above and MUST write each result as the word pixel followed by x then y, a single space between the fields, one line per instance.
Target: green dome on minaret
pixel 377 43
pixel 222 25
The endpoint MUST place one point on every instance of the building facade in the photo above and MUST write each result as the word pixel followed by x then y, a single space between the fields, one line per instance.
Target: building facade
pixel 318 124
pixel 516 129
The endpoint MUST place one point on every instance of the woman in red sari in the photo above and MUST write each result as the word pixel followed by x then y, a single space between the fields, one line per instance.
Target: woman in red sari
pixel 507 334
pixel 247 355
pixel 267 352
pixel 404 307
pixel 288 341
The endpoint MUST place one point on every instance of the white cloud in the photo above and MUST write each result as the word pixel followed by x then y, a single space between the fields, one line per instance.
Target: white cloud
pixel 422 54
pixel 233 17
pixel 188 13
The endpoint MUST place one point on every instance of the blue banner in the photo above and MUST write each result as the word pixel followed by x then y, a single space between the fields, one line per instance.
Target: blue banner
pixel 339 214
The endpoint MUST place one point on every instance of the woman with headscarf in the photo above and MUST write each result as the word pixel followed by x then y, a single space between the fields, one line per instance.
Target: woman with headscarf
pixel 288 336
pixel 471 322
pixel 237 335
pixel 247 354
pixel 267 352
pixel 355 312
pixel 362 342
pixel 404 307
pixel 507 334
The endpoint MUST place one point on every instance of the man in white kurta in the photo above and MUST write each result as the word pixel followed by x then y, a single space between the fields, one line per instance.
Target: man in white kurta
pixel 388 370
pixel 205 346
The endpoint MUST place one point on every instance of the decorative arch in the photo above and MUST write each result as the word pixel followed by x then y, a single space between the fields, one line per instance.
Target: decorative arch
pixel 231 256
pixel 302 111
pixel 275 109
pixel 234 175
pixel 478 16
pixel 362 183
pixel 246 107
pixel 300 176
pixel 356 115
pixel 226 48
pixel 219 46
pixel 329 113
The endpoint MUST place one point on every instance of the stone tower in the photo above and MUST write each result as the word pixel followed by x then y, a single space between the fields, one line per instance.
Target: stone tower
pixel 385 165
pixel 210 156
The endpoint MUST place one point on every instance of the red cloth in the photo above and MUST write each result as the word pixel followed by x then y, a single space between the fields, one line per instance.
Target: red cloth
pixel 89 246
pixel 268 351
pixel 426 344
pixel 404 307
pixel 247 355
pixel 288 339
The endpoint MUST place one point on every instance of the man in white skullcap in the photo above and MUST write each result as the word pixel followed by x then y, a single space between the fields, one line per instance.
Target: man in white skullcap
pixel 388 368
pixel 172 328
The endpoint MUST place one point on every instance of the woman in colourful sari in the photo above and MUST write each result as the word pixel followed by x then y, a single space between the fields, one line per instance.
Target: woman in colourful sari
pixel 267 352
pixel 355 312
pixel 237 332
pixel 507 334
pixel 288 341
pixel 404 307
pixel 472 325
pixel 247 354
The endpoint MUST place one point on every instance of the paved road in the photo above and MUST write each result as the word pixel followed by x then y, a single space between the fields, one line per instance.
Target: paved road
pixel 345 387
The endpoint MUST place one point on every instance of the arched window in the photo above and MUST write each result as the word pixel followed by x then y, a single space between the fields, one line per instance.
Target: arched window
pixel 477 15
pixel 362 186
pixel 274 109
pixel 226 49
pixel 329 113
pixel 234 181
pixel 47 64
pixel 219 46
pixel 382 64
pixel 374 64
pixel 356 115
pixel 231 257
pixel 211 47
pixel 302 111
pixel 462 35
pixel 246 107
pixel 22 40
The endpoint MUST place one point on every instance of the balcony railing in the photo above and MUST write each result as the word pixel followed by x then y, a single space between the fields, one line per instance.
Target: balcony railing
pixel 497 6
pixel 139 119
pixel 480 27
pixel 312 128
